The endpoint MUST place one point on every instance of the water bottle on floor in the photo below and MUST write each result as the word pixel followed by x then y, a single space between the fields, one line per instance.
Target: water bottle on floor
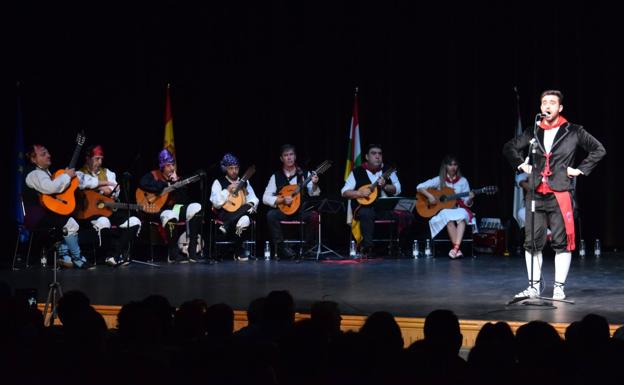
pixel 597 251
pixel 352 251
pixel 415 250
pixel 428 249
pixel 267 251
pixel 582 251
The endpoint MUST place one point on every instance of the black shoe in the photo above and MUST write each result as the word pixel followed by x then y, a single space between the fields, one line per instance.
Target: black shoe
pixel 285 252
pixel 241 254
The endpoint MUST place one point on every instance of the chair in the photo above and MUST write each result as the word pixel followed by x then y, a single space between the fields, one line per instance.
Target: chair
pixel 157 236
pixel 299 240
pixel 468 239
pixel 249 243
pixel 390 235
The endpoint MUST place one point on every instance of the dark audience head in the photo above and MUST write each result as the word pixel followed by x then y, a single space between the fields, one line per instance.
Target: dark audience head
pixel 162 310
pixel 5 290
pixel 279 307
pixel 219 320
pixel 255 311
pixel 326 315
pixel 594 331
pixel 139 324
pixel 190 320
pixel 538 344
pixel 442 331
pixel 381 330
pixel 71 304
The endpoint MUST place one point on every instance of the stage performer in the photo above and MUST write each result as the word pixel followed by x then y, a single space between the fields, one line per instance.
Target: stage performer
pixel 368 173
pixel 39 181
pixel 290 174
pixel 234 222
pixel 455 219
pixel 102 181
pixel 178 206
pixel 555 141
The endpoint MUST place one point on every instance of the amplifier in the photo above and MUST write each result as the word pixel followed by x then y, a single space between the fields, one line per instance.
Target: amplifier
pixel 489 241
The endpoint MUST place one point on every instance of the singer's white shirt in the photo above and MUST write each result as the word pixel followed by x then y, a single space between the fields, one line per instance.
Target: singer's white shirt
pixel 549 138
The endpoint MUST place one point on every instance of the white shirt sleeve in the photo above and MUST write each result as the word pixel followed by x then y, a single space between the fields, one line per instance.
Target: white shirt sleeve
pixel 251 195
pixel 349 183
pixel 112 177
pixel 463 186
pixel 269 198
pixel 310 191
pixel 42 182
pixel 218 195
pixel 86 181
pixel 431 183
pixel 395 181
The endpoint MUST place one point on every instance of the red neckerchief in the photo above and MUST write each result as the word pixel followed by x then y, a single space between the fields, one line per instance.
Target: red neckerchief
pixel 367 167
pixel 546 126
pixel 460 202
pixel 454 180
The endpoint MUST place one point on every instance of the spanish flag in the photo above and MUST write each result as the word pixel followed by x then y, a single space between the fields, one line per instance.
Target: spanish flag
pixel 168 141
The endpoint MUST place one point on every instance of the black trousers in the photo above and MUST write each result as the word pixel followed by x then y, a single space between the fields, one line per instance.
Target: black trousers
pixel 547 215
pixel 367 216
pixel 274 216
pixel 230 219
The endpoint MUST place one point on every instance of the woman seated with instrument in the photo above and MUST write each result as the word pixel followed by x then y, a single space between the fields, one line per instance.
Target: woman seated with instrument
pixel 235 201
pixel 456 218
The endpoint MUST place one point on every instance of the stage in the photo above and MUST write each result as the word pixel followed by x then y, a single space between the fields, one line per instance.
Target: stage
pixel 474 288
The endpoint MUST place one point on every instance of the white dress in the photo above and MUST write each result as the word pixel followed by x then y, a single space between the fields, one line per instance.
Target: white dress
pixel 441 219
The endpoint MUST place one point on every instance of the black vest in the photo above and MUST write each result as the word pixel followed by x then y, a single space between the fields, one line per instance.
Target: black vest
pixel 361 179
pixel 281 180
pixel 30 196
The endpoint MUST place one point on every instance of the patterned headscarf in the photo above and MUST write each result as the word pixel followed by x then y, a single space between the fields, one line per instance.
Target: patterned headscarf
pixel 164 158
pixel 95 151
pixel 229 160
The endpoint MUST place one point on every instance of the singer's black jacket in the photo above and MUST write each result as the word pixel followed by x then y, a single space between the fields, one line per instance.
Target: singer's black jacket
pixel 568 139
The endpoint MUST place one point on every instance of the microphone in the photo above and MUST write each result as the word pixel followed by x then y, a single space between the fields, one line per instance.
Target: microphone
pixel 541 116
pixel 126 174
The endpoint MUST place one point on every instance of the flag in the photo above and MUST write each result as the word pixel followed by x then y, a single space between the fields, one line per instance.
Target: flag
pixel 353 160
pixel 518 201
pixel 18 172
pixel 168 141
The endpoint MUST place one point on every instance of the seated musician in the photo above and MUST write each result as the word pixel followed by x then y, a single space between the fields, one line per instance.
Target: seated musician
pixel 96 178
pixel 234 221
pixel 178 206
pixel 369 172
pixel 39 181
pixel 454 219
pixel 290 174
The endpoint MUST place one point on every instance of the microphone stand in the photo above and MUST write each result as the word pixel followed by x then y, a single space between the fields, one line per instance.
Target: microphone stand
pixel 126 179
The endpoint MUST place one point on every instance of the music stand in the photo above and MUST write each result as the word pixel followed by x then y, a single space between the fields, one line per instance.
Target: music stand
pixel 327 206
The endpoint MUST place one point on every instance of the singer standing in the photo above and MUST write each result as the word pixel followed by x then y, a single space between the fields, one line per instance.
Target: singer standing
pixel 552 144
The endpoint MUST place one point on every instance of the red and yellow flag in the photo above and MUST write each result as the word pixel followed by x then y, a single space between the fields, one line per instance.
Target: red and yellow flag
pixel 168 141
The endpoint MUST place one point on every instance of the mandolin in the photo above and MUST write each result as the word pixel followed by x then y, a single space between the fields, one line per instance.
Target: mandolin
pixel 374 188
pixel 152 202
pixel 445 199
pixel 64 203
pixel 293 190
pixel 237 198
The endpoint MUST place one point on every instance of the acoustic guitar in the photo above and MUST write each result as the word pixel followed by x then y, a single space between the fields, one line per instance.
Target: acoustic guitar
pixel 374 188
pixel 445 199
pixel 152 203
pixel 64 203
pixel 293 190
pixel 237 198
pixel 95 204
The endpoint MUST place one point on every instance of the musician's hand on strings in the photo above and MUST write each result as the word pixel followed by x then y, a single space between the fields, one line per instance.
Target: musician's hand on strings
pixel 365 192
pixel 572 172
pixel 382 182
pixel 471 195
pixel 71 172
pixel 232 187
pixel 432 200
pixel 525 168
pixel 288 200
pixel 252 209
pixel 173 177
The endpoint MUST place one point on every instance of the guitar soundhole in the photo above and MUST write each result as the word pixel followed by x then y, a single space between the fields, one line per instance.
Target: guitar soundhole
pixel 443 198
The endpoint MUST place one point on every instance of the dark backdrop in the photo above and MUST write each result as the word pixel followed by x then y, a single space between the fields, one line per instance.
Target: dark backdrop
pixel 247 77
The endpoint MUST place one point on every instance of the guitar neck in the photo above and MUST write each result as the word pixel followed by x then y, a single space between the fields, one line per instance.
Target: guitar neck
pixel 118 205
pixel 385 175
pixel 180 184
pixel 76 154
